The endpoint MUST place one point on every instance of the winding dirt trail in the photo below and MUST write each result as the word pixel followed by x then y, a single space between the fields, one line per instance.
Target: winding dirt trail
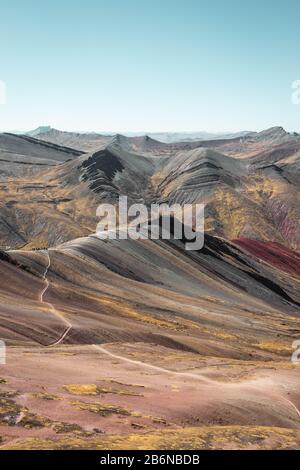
pixel 188 375
pixel 51 306
pixel 153 367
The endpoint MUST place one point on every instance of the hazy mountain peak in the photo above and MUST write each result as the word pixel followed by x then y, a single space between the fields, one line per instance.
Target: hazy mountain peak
pixel 39 130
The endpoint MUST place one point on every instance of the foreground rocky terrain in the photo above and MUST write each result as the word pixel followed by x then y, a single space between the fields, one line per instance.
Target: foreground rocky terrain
pixel 109 342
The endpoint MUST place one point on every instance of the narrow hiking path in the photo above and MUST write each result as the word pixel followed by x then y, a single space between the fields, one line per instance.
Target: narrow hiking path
pixel 188 375
pixel 153 367
pixel 51 306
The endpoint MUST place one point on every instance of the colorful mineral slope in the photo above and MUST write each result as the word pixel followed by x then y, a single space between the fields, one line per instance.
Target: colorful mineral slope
pixel 273 253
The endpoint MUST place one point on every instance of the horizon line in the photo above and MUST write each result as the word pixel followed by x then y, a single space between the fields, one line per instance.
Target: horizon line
pixel 144 132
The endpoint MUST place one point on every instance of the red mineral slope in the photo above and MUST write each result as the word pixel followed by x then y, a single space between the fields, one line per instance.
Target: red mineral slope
pixel 273 253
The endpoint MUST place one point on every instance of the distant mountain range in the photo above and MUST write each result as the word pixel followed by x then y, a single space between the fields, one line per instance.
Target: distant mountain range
pixel 167 137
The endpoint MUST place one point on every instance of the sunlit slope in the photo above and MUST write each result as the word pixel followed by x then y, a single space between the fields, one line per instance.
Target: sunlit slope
pixel 217 301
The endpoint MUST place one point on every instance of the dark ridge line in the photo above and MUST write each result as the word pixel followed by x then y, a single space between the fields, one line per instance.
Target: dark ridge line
pixel 29 163
pixel 44 143
pixel 272 286
pixel 100 168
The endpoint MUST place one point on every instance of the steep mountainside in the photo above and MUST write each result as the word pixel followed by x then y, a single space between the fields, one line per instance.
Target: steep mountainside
pixel 254 197
pixel 23 155
pixel 164 290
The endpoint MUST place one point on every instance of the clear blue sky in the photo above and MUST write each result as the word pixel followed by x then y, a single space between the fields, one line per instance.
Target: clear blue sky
pixel 168 65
